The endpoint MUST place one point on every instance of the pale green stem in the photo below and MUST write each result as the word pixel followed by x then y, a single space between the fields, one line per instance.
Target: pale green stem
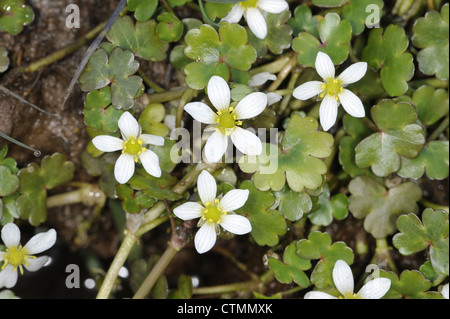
pixel 441 128
pixel 156 272
pixel 222 289
pixel 272 67
pixel 119 260
pixel 282 75
pixel 434 206
pixel 185 98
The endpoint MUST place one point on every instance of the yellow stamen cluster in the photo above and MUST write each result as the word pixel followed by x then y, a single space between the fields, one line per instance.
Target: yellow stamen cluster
pixel 212 213
pixel 16 257
pixel 333 87
pixel 227 121
pixel 350 296
pixel 249 4
pixel 134 147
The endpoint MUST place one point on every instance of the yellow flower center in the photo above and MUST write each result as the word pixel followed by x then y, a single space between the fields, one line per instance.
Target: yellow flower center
pixel 16 257
pixel 333 87
pixel 134 147
pixel 227 121
pixel 212 213
pixel 248 4
pixel 350 296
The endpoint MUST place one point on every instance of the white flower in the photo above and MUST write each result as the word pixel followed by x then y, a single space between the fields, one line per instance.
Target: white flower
pixel 132 147
pixel 214 212
pixel 17 257
pixel 227 119
pixel 332 90
pixel 250 9
pixel 343 280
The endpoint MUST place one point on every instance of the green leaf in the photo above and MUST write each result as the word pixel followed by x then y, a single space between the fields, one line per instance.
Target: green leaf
pixel 431 35
pixel 328 3
pixel 432 160
pixel 359 11
pixel 379 207
pixel 416 235
pixel 14 15
pixel 150 120
pixel 159 188
pixel 299 161
pixel 335 36
pixel 143 9
pixel 431 104
pixel 303 20
pixel 35 180
pixel 399 136
pixel 8 209
pixel 9 182
pixel 319 246
pixel 226 49
pixel 329 207
pixel 293 205
pixel 169 27
pixel 410 285
pixel 267 224
pixel 292 268
pixel 388 52
pixel 141 38
pixel 279 34
pixel 99 113
pixel 133 202
pixel 356 132
pixel 4 60
pixel 184 289
pixel 116 69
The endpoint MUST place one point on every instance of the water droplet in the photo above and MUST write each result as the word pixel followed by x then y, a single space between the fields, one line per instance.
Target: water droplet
pixel 37 153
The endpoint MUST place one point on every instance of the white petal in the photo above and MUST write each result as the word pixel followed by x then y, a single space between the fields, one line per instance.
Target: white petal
pixel 36 264
pixel 318 295
pixel 235 14
pixel 234 199
pixel 261 78
pixel 353 73
pixel 273 6
pixel 251 106
pixel 325 66
pixel 152 139
pixel 8 277
pixel 444 291
pixel 207 187
pixel 11 235
pixel 124 168
pixel 246 142
pixel 328 112
pixel 236 224
pixel 308 90
pixel 343 278
pixel 219 93
pixel 150 161
pixel 188 211
pixel 41 242
pixel 375 289
pixel 106 143
pixel 201 112
pixel 216 146
pixel 351 103
pixel 205 238
pixel 273 98
pixel 129 126
pixel 256 22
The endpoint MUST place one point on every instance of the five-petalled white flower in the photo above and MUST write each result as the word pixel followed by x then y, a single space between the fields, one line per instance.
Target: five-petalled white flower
pixel 250 9
pixel 214 212
pixel 17 257
pixel 132 147
pixel 344 282
pixel 228 119
pixel 333 91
